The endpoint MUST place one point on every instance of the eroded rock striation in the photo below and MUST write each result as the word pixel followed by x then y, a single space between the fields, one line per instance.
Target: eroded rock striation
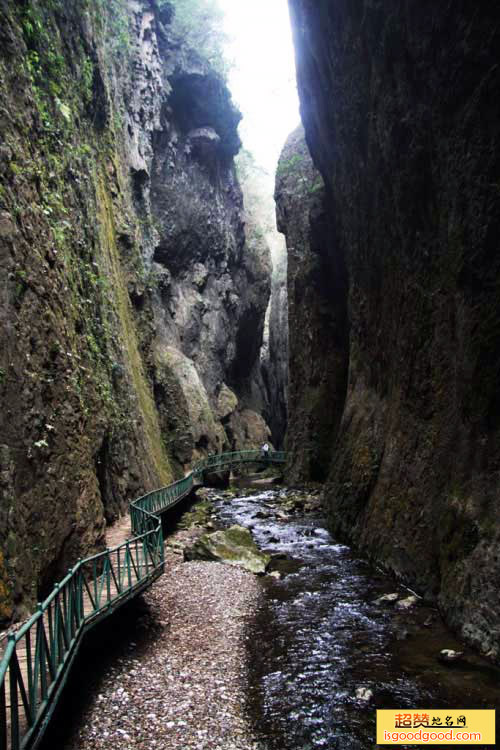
pixel 132 309
pixel 402 120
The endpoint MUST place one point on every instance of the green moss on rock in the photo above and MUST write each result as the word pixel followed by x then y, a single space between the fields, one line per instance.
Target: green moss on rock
pixel 234 546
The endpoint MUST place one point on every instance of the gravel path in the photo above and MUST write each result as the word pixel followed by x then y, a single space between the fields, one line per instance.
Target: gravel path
pixel 185 689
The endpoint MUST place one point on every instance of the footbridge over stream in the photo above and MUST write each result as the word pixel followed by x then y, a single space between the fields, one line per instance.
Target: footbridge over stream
pixel 37 658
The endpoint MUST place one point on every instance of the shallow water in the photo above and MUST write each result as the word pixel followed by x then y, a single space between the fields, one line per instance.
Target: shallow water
pixel 319 636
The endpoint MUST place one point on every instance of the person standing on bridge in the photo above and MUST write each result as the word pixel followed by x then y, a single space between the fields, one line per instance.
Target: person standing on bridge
pixel 265 451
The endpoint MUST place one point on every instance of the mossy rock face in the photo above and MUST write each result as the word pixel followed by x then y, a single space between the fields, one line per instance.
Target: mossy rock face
pixel 128 291
pixel 227 402
pixel 199 515
pixel 234 546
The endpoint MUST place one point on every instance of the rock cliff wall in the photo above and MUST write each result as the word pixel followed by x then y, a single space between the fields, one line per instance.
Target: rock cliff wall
pixel 275 352
pixel 318 337
pixel 210 281
pixel 402 119
pixel 271 375
pixel 132 310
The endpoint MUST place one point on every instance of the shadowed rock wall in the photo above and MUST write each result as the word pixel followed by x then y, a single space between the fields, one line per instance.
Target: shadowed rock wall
pixel 318 338
pixel 275 352
pixel 402 118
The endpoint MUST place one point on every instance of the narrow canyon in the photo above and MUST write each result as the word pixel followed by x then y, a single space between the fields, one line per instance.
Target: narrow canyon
pixel 320 346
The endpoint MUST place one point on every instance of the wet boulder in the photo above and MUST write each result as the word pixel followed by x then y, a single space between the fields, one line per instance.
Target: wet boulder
pixel 293 504
pixel 408 603
pixel 448 655
pixel 234 546
pixel 262 514
pixel 198 516
pixel 282 516
pixel 387 599
pixel 364 694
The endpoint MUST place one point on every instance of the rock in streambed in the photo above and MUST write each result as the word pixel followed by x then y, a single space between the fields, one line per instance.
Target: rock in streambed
pixel 234 546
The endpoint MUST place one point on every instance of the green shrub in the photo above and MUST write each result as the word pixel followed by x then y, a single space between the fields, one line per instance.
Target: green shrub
pixel 200 24
pixel 290 166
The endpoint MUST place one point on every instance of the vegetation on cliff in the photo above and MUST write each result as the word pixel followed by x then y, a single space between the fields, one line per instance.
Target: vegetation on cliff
pixel 100 107
pixel 199 23
pixel 82 433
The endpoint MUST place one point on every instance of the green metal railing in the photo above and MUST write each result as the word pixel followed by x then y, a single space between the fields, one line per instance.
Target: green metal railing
pixel 224 460
pixel 37 658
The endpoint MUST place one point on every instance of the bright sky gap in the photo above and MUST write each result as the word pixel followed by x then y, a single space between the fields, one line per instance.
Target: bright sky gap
pixel 262 80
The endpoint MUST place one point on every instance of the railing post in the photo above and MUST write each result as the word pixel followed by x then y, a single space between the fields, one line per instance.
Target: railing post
pixel 29 669
pixel 94 576
pixel 137 560
pixel 119 582
pixel 108 575
pixel 3 717
pixel 79 592
pixel 55 642
pixel 71 606
pixel 52 618
pixel 127 557
pixel 41 654
pixel 14 702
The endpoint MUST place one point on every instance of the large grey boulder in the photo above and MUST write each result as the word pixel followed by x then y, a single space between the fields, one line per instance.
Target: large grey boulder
pixel 234 546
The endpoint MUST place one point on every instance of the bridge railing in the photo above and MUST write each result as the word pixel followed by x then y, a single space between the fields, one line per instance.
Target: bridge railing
pixel 143 510
pixel 238 457
pixel 36 658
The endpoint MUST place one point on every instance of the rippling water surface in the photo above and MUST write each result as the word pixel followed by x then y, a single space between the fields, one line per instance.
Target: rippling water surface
pixel 319 637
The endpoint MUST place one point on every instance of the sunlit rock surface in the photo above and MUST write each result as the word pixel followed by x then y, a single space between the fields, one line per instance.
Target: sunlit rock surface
pixel 248 429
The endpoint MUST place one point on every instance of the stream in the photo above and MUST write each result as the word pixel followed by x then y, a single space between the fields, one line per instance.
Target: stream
pixel 319 637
